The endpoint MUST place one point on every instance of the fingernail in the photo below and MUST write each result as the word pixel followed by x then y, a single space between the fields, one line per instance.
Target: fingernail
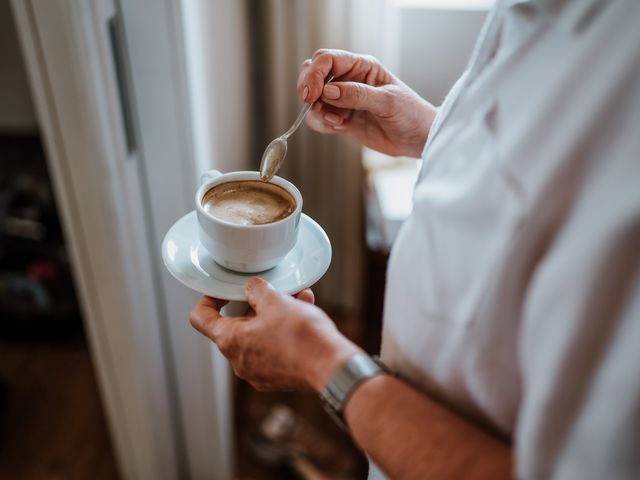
pixel 252 283
pixel 331 92
pixel 333 118
pixel 305 93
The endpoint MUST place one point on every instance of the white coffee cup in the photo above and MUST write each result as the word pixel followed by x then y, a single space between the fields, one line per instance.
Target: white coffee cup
pixel 246 248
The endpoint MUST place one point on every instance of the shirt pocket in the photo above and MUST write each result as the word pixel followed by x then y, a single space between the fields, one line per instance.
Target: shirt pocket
pixel 467 211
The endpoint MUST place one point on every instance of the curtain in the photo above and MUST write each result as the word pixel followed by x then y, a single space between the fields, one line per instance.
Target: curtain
pixel 326 168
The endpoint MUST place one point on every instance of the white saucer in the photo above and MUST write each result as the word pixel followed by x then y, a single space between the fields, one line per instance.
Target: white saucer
pixel 190 263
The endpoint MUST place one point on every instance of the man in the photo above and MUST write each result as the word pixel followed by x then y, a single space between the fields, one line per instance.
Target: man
pixel 512 312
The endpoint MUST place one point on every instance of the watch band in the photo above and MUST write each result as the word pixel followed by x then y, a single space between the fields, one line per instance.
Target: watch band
pixel 344 381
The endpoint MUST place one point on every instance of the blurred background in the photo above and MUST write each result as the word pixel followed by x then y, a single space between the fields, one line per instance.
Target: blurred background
pixel 109 111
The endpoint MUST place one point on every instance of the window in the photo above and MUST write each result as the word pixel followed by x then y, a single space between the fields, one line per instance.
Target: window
pixel 444 4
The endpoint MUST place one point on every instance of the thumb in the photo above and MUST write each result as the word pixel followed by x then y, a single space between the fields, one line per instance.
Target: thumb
pixel 358 96
pixel 259 293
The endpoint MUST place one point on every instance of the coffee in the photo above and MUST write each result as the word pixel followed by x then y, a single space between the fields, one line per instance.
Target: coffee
pixel 248 202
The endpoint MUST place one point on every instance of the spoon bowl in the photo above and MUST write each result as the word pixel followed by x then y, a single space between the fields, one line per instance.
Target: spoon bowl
pixel 272 158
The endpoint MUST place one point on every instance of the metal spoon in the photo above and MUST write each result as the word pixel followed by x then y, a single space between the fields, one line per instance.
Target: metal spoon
pixel 274 154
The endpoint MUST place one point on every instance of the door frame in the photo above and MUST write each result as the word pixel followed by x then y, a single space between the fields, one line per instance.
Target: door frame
pixel 166 392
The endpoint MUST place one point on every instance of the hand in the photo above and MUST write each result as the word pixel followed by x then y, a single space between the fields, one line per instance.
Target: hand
pixel 365 102
pixel 283 343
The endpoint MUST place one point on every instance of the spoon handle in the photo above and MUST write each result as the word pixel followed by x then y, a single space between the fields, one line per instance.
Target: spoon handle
pixel 296 124
pixel 302 114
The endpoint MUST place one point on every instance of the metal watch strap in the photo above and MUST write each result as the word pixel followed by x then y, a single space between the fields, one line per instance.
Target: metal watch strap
pixel 344 381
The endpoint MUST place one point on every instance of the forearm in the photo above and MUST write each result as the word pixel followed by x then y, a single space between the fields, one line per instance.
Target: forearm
pixel 287 344
pixel 410 436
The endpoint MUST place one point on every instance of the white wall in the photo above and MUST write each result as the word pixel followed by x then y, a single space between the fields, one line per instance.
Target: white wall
pixel 216 40
pixel 434 47
pixel 16 109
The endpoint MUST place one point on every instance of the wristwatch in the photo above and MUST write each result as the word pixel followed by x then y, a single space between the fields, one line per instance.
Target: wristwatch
pixel 344 381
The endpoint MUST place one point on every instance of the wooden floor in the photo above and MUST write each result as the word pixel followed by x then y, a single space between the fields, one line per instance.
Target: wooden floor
pixel 336 455
pixel 52 425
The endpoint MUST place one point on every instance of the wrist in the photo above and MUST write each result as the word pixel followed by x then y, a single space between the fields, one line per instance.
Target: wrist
pixel 337 351
pixel 426 116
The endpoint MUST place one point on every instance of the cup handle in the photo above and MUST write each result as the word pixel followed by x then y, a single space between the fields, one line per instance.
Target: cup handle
pixel 209 175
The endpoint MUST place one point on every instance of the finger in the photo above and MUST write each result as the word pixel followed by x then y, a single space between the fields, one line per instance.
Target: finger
pixel 216 303
pixel 260 293
pixel 359 96
pixel 334 115
pixel 207 308
pixel 329 114
pixel 324 61
pixel 226 332
pixel 303 90
pixel 205 313
pixel 320 105
pixel 333 119
pixel 306 295
pixel 312 72
pixel 317 122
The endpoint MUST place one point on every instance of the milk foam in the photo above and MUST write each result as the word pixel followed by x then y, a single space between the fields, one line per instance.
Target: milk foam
pixel 248 202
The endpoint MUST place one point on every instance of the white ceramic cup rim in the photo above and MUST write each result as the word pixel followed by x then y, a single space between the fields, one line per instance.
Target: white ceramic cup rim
pixel 246 175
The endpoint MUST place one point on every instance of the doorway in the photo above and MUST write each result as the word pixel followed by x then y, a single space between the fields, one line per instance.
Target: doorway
pixel 52 421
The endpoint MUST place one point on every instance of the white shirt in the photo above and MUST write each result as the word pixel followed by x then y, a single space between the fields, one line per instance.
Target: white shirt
pixel 513 290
